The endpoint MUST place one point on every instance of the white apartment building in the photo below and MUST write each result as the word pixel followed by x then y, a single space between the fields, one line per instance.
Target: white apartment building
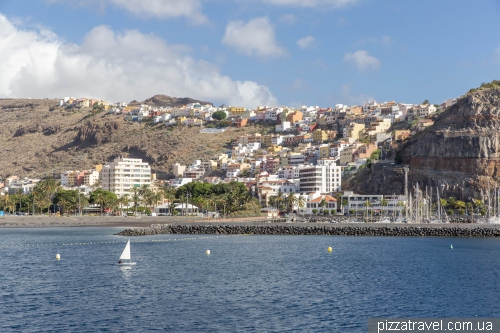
pixel 68 178
pixel 272 114
pixel 124 173
pixel 289 172
pixel 359 202
pixel 323 178
pixel 90 177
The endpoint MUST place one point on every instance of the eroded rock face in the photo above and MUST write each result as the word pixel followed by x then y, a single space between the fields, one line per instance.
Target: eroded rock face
pixel 465 138
pixel 91 133
pixel 459 154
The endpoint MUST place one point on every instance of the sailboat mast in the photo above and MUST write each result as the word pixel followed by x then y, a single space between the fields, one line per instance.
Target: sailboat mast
pixel 438 204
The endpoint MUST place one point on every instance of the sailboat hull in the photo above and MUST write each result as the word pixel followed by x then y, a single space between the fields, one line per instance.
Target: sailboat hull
pixel 127 264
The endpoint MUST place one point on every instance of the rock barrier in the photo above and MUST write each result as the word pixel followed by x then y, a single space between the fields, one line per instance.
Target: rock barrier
pixel 399 231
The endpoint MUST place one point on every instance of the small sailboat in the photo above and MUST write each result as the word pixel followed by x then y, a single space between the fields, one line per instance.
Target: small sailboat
pixel 451 247
pixel 126 256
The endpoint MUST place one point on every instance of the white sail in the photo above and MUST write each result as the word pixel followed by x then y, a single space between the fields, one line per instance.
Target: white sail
pixel 126 252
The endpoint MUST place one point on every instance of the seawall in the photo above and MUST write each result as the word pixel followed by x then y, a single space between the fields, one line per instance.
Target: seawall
pixel 361 229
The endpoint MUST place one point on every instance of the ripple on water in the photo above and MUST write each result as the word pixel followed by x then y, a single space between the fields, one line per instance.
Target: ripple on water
pixel 248 284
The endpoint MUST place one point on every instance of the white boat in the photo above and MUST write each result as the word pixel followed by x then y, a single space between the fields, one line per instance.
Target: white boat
pixel 126 256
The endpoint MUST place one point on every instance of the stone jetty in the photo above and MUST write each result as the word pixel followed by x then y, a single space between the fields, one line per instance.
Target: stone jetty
pixel 344 229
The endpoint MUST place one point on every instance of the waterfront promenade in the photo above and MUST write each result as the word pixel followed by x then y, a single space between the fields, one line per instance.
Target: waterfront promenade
pixel 149 225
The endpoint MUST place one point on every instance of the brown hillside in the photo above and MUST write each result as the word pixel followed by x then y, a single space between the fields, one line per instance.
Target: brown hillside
pixel 167 101
pixel 39 138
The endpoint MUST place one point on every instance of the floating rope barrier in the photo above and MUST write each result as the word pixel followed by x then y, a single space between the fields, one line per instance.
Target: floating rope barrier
pixel 166 240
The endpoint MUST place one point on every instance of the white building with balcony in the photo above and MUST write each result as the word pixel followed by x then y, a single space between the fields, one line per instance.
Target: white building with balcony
pixel 323 178
pixel 124 173
pixel 374 203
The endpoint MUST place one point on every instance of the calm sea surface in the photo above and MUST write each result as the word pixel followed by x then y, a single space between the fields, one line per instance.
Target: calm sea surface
pixel 246 284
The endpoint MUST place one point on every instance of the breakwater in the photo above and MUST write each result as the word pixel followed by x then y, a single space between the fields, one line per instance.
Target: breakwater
pixel 330 230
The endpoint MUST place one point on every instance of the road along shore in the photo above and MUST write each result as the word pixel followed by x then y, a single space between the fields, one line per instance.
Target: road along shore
pixel 327 229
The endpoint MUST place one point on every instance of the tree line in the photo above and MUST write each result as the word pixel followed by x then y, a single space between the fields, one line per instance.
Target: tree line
pixel 49 197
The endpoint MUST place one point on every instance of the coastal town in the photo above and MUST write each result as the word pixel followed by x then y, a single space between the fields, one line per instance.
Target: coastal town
pixel 295 166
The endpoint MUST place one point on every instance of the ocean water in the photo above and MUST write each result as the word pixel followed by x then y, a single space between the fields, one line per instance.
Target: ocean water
pixel 246 284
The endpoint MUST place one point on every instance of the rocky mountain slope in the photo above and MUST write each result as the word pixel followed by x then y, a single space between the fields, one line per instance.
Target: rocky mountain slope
pixel 459 154
pixel 167 101
pixel 39 138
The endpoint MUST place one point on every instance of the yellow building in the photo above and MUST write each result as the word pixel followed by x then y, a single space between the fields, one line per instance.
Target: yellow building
pixel 294 117
pixel 319 135
pixel 236 111
pixel 322 121
pixel 354 130
pixel 332 135
pixel 324 151
pixel 274 149
pixel 267 140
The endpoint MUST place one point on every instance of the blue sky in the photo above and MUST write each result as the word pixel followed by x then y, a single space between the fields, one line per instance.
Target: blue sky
pixel 249 52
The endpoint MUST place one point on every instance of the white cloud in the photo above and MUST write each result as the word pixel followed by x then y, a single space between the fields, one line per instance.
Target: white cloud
pixel 255 38
pixel 163 9
pixel 306 42
pixel 113 66
pixel 312 3
pixel 289 19
pixel 190 9
pixel 363 60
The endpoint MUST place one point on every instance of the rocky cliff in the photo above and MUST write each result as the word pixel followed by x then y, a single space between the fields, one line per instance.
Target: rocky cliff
pixel 459 154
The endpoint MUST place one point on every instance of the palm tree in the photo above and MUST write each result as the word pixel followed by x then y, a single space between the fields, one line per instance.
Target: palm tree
pixel 272 201
pixel 213 200
pixel 11 204
pixel 338 196
pixel 20 196
pixel 279 198
pixel 157 197
pixel 136 198
pixel 101 200
pixel 322 203
pixel 64 204
pixel 344 203
pixel 49 187
pixel 461 205
pixel 367 204
pixel 301 202
pixel 144 192
pixel 83 201
pixel 383 203
pixel 291 201
pixel 124 200
pixel 223 199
